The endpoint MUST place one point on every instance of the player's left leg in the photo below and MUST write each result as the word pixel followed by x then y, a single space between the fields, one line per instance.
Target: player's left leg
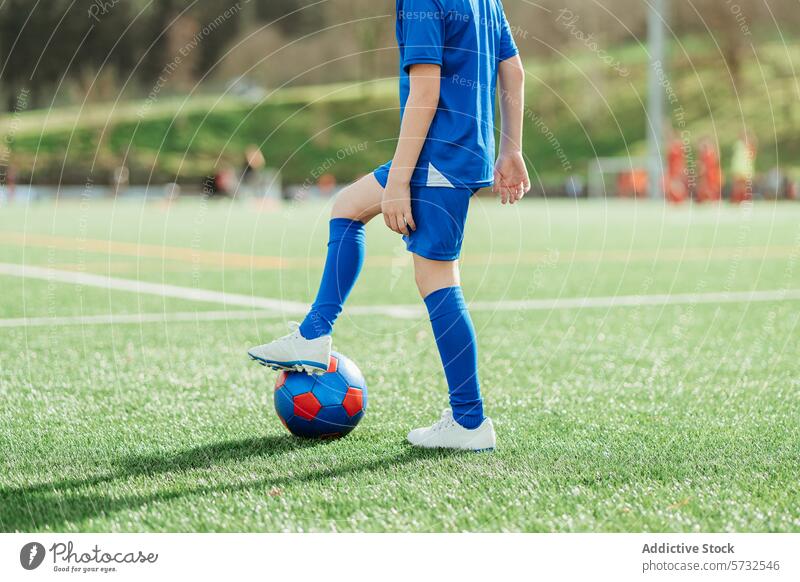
pixel 308 346
pixel 354 207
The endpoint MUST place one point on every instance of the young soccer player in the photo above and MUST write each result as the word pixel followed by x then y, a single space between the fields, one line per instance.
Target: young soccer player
pixel 452 54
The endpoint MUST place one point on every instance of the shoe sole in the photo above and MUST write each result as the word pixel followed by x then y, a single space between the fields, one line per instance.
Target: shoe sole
pixel 306 366
pixel 483 450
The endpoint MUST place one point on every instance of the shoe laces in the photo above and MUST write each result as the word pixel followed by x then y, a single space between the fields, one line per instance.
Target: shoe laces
pixel 445 422
pixel 295 329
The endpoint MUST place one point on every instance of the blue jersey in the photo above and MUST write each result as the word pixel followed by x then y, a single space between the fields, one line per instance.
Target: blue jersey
pixel 468 39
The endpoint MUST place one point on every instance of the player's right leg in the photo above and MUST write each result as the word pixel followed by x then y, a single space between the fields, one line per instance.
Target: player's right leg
pixel 308 346
pixel 440 215
pixel 463 425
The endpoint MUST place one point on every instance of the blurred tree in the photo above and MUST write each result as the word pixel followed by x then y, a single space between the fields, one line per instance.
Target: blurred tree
pixel 220 22
pixel 155 38
pixel 371 27
pixel 47 44
pixel 727 24
pixel 294 17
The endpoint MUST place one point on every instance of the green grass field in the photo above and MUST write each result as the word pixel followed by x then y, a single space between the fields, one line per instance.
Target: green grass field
pixel 680 416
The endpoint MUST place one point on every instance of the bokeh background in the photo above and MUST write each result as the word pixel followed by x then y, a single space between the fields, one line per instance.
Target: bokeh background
pixel 147 92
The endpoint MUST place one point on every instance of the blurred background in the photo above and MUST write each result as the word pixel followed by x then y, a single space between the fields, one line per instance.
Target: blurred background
pixel 288 99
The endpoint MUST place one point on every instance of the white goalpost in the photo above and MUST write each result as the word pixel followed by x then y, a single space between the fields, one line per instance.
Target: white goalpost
pixel 656 106
pixel 652 165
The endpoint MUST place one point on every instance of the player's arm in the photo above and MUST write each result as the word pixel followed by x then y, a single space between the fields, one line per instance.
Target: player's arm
pixel 423 100
pixel 510 174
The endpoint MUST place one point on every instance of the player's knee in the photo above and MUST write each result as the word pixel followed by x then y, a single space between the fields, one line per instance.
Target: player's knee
pixel 357 202
pixel 343 207
pixel 431 275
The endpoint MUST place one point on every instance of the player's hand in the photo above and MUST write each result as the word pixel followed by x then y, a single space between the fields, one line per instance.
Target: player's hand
pixel 511 177
pixel 396 208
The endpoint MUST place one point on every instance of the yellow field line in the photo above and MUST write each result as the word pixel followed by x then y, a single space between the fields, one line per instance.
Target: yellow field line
pixel 623 256
pixel 183 254
pixel 230 260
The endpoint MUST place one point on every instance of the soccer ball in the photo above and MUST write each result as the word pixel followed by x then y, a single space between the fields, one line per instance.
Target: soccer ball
pixel 329 405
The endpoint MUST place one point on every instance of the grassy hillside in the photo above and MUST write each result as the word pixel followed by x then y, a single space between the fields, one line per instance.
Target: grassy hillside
pixel 579 107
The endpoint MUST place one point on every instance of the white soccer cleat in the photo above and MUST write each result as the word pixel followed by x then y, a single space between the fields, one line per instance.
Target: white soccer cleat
pixel 294 352
pixel 448 434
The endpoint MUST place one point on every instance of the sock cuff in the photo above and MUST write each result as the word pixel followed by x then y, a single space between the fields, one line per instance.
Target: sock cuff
pixel 471 420
pixel 445 301
pixel 346 229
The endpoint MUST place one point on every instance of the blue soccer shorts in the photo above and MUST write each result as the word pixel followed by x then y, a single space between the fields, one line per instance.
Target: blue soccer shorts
pixel 440 215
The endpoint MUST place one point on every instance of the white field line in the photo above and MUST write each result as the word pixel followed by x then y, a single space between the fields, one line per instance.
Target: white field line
pixel 278 308
pixel 110 319
pixel 159 289
pixel 638 300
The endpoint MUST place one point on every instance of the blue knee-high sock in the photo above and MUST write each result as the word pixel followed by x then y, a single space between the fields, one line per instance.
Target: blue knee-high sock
pixel 455 337
pixel 346 250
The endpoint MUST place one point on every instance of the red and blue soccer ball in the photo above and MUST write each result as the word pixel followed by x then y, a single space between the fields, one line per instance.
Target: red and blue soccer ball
pixel 329 405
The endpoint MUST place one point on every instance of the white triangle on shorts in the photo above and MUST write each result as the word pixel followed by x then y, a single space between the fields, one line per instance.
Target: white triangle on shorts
pixel 436 179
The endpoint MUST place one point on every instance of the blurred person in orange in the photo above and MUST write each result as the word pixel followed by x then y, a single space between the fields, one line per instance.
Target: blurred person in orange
pixel 709 186
pixel 632 184
pixel 676 186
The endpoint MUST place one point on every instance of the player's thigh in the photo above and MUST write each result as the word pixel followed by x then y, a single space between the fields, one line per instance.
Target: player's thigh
pixel 434 275
pixel 360 200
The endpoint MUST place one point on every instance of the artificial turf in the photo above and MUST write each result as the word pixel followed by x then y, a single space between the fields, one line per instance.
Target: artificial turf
pixel 644 418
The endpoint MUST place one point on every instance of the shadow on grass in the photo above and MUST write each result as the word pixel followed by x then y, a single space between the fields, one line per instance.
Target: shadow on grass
pixel 53 504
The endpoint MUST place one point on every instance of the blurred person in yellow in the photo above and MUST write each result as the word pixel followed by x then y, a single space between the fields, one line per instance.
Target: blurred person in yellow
pixel 743 168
